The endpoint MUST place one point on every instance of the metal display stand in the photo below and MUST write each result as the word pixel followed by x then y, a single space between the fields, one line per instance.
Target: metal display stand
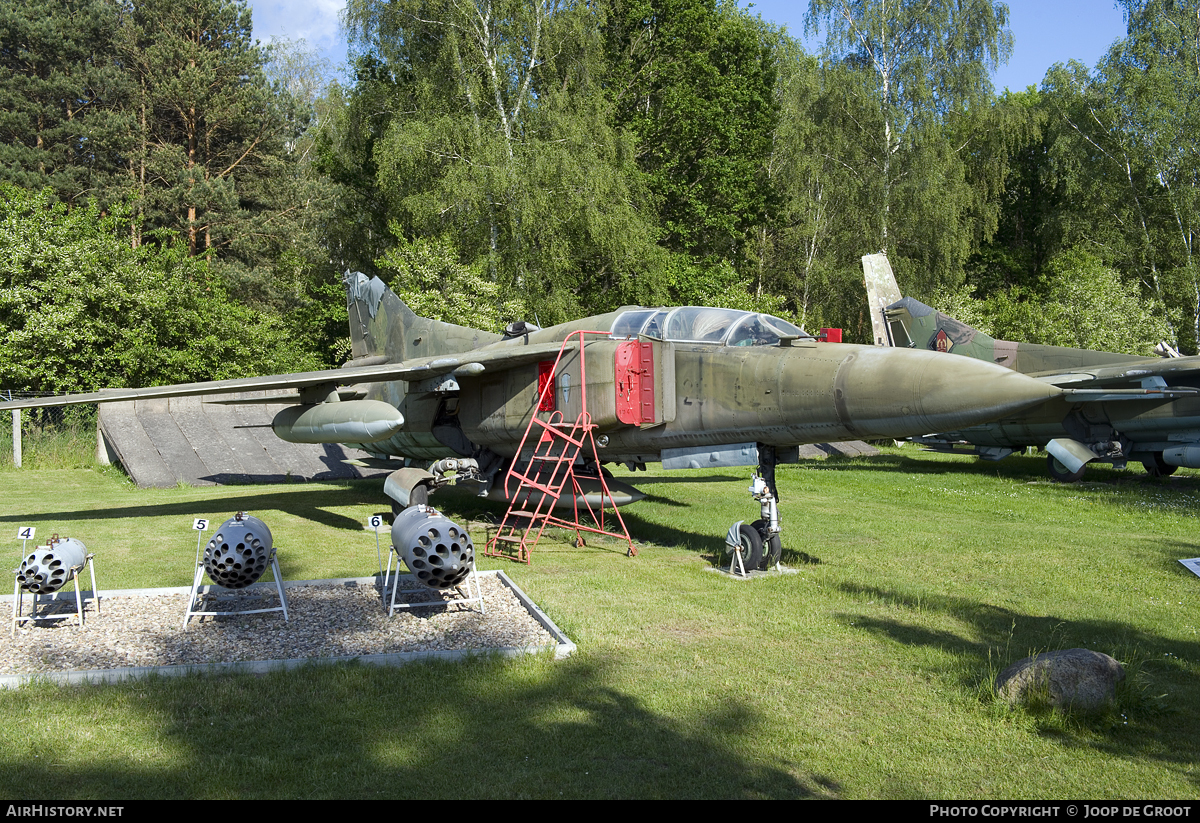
pixel 72 575
pixel 200 526
pixel 463 598
pixel 375 522
pixel 193 611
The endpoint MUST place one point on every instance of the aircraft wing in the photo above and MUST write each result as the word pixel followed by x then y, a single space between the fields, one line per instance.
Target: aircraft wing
pixel 495 358
pixel 1153 377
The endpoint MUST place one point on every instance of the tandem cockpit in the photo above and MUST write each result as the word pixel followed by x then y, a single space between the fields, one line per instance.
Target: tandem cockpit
pixel 700 324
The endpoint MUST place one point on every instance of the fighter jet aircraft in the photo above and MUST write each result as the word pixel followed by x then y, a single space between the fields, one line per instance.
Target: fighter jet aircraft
pixel 1117 407
pixel 663 384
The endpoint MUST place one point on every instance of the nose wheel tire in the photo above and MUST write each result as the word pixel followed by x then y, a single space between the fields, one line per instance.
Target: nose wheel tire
pixel 1061 473
pixel 772 549
pixel 750 546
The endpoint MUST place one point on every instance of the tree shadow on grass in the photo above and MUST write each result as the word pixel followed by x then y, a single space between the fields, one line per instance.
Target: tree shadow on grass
pixel 482 728
pixel 1166 730
pixel 308 504
pixel 639 479
pixel 1027 469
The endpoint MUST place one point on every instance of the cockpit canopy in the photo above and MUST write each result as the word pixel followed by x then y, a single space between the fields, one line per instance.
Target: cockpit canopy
pixel 698 324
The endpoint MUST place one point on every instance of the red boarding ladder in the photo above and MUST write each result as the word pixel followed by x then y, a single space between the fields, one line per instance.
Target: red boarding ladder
pixel 551 470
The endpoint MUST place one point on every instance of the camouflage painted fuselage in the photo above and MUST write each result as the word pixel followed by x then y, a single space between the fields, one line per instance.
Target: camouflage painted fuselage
pixel 1146 426
pixel 689 394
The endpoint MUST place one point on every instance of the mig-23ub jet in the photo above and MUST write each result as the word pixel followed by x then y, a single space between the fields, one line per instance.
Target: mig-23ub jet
pixel 662 384
pixel 1114 408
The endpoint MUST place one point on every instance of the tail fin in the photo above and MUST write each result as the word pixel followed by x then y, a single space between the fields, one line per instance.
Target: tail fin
pixel 374 317
pixel 912 324
pixel 907 323
pixel 882 292
pixel 384 329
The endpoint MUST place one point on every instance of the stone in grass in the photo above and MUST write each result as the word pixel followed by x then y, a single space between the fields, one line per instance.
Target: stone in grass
pixel 1072 679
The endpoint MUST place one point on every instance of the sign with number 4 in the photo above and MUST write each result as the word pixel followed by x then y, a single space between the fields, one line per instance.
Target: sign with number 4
pixel 26 532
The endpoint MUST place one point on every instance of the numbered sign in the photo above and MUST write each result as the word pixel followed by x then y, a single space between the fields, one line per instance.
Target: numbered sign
pixel 374 522
pixel 200 524
pixel 26 532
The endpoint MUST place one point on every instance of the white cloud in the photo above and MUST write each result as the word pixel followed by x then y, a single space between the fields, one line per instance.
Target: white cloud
pixel 314 21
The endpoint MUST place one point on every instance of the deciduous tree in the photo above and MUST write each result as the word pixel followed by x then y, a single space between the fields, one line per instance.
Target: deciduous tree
pixel 486 124
pixel 929 60
pixel 694 80
pixel 81 309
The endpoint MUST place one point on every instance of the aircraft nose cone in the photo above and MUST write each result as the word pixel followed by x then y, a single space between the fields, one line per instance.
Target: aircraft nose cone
pixel 900 392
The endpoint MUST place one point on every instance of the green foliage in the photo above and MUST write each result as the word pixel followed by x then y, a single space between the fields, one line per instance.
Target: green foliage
pixel 168 106
pixel 1155 86
pixel 83 310
pixel 57 438
pixel 561 157
pixel 64 121
pixel 428 277
pixel 979 314
pixel 930 58
pixel 211 128
pixel 911 127
pixel 694 82
pixel 1079 302
pixel 489 127
pixel 809 253
pixel 1104 189
pixel 1107 170
pixel 574 174
pixel 1022 198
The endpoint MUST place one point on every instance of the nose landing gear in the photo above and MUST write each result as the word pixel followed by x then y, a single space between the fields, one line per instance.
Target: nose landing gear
pixel 756 547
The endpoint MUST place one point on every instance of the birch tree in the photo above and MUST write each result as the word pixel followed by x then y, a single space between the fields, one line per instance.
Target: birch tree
pixel 930 59
pixel 1154 78
pixel 484 124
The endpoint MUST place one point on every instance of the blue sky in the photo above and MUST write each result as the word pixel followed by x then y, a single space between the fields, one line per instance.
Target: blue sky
pixel 1045 31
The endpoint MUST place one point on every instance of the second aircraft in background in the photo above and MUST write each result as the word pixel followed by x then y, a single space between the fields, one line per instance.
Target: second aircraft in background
pixel 1115 408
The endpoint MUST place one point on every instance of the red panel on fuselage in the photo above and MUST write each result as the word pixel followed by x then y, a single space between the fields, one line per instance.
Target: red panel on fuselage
pixel 635 382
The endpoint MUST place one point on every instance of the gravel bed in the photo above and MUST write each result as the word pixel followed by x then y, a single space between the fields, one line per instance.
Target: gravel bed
pixel 325 620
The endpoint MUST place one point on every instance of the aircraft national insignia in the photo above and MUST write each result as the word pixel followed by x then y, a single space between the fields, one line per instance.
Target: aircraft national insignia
pixel 941 341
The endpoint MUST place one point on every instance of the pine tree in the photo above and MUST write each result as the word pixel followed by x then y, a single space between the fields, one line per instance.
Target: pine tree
pixel 210 133
pixel 63 121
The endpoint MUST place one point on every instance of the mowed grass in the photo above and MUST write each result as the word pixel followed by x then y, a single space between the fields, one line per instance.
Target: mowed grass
pixel 865 675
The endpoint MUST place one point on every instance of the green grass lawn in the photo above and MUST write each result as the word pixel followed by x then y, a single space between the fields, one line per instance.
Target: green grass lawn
pixel 865 675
